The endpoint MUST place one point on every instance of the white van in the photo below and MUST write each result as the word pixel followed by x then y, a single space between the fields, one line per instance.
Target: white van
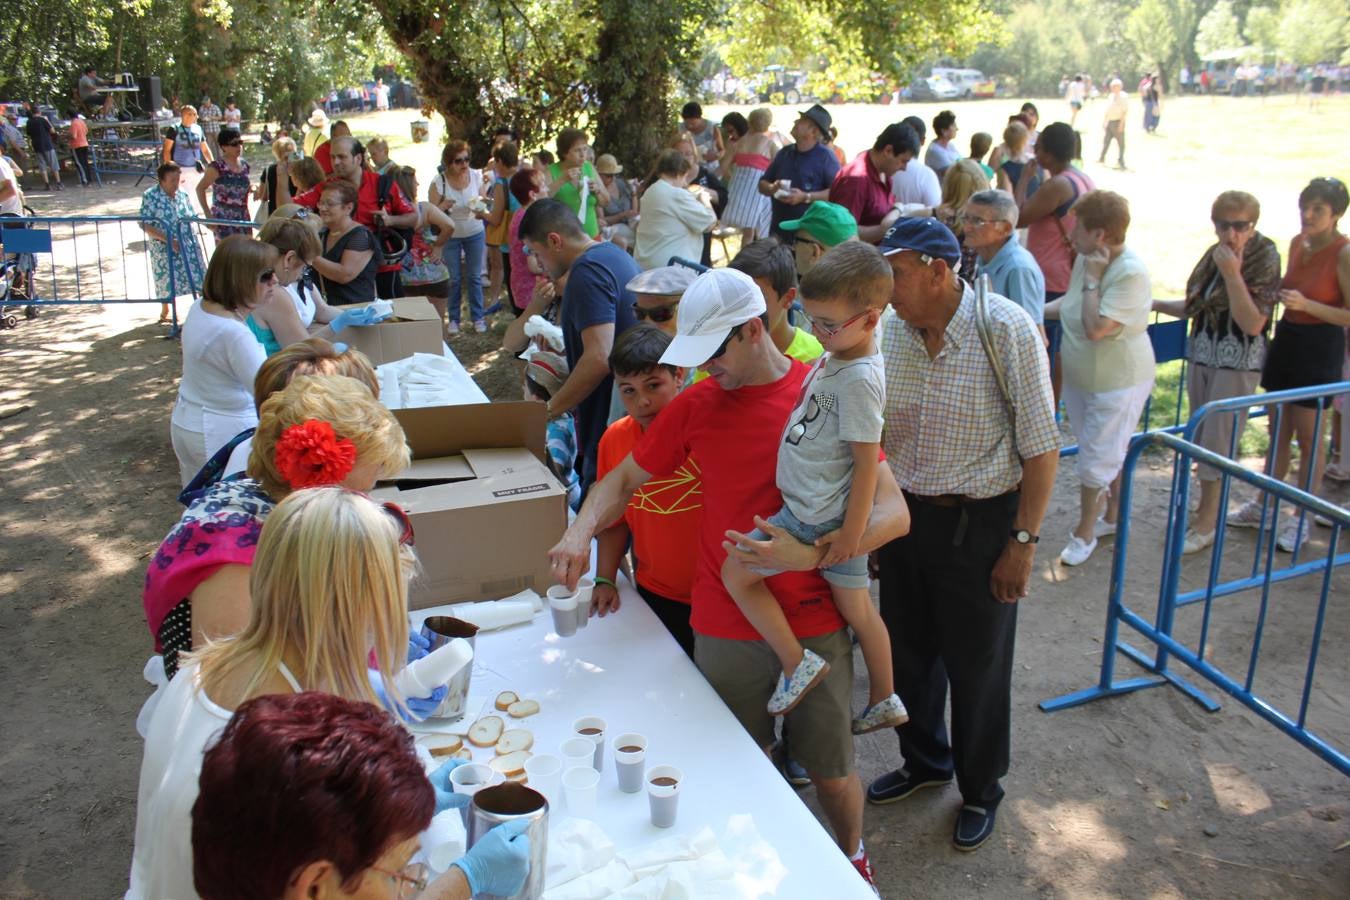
pixel 970 83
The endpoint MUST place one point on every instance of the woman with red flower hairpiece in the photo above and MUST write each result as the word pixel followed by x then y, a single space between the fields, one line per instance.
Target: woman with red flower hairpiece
pixel 319 430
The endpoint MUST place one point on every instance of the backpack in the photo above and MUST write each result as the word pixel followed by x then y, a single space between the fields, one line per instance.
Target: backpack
pixel 394 242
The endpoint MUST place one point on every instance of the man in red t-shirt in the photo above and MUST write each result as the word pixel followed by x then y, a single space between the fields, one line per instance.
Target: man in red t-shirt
pixel 349 162
pixel 863 187
pixel 732 423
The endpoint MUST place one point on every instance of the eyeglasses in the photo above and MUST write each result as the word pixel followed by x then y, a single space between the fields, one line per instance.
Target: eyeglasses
pixel 405 538
pixel 266 276
pixel 975 221
pixel 460 160
pixel 1236 225
pixel 829 332
pixel 411 879
pixel 657 314
pixel 722 348
pixel 331 204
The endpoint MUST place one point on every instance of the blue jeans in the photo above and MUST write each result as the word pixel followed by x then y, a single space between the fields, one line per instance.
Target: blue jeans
pixel 851 573
pixel 464 259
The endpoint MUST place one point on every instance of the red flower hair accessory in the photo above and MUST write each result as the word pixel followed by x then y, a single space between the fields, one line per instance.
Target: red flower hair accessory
pixel 311 455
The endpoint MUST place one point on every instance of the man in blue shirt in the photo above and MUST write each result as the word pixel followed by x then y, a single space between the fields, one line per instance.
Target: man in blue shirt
pixel 808 166
pixel 990 221
pixel 597 307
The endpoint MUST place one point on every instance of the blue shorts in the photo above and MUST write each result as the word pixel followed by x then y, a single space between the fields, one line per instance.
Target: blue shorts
pixel 851 573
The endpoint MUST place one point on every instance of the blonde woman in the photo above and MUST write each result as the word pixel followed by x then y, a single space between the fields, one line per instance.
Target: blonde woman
pixel 266 191
pixel 964 178
pixel 197 586
pixel 329 591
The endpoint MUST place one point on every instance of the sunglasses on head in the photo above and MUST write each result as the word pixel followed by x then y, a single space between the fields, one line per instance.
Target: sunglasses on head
pixel 1236 225
pixel 658 314
pixel 722 348
pixel 400 517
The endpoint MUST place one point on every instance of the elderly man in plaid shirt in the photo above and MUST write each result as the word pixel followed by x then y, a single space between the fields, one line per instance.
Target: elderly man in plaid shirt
pixel 977 466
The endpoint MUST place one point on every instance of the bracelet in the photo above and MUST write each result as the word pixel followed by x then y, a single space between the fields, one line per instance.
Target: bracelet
pixel 600 579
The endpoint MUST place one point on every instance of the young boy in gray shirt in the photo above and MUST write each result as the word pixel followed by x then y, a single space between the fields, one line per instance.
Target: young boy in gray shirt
pixel 827 474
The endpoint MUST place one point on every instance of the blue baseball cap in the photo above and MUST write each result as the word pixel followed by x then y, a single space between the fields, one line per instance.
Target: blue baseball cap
pixel 922 235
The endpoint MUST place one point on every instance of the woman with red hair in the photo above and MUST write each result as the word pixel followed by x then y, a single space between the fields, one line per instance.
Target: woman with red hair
pixel 310 795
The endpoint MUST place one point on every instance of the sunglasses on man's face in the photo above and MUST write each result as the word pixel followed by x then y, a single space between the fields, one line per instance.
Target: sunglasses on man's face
pixel 722 348
pixel 655 314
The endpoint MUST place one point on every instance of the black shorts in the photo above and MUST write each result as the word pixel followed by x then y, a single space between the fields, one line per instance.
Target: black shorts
pixel 1304 355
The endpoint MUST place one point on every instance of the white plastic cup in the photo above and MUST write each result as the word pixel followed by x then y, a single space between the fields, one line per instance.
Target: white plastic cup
pixel 580 785
pixel 664 797
pixel 584 588
pixel 563 604
pixel 630 764
pixel 471 778
pixel 578 752
pixel 544 773
pixel 592 728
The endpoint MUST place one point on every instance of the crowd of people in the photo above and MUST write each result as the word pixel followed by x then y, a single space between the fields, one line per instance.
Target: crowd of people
pixel 751 434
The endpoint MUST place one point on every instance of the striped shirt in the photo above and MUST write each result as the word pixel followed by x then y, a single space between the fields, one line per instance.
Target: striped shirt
pixel 947 429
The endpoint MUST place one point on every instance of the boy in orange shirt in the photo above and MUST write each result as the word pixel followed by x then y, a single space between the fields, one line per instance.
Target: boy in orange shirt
pixel 662 517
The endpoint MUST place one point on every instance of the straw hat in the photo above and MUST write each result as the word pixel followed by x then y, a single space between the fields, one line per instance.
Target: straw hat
pixel 608 165
pixel 318 119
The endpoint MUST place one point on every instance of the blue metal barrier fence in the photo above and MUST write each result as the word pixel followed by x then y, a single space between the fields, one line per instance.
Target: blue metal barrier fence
pixel 1162 631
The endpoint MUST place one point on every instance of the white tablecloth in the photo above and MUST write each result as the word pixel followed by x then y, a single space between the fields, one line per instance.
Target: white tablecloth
pixel 627 669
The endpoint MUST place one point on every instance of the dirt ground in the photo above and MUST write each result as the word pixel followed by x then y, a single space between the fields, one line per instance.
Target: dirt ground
pixel 1142 795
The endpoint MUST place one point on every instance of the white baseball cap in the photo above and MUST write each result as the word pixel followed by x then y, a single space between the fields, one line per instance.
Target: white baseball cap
pixel 717 301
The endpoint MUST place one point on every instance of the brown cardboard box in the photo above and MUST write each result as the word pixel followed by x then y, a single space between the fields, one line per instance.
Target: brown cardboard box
pixel 485 509
pixel 415 327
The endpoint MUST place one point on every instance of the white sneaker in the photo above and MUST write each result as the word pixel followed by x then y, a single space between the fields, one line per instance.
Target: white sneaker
pixel 1077 551
pixel 1103 528
pixel 1292 535
pixel 452 328
pixel 1248 515
pixel 1197 541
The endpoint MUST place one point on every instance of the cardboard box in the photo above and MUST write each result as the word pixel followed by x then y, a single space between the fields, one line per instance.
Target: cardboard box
pixel 485 509
pixel 415 327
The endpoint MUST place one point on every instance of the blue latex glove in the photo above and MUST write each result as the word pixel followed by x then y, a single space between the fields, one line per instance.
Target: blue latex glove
pixel 500 862
pixel 418 646
pixel 356 317
pixel 339 347
pixel 418 708
pixel 446 798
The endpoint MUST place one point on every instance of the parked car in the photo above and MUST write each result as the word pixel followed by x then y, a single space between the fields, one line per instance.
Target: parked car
pixel 969 83
pixel 780 80
pixel 932 89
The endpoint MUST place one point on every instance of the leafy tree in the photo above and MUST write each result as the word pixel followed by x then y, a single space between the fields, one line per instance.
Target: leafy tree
pixel 1218 30
pixel 1314 31
pixel 1262 28
pixel 1164 31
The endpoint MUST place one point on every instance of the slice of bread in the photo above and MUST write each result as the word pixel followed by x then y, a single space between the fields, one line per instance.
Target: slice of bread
pixel 465 754
pixel 520 777
pixel 514 739
pixel 454 745
pixel 522 708
pixel 511 763
pixel 486 731
pixel 505 699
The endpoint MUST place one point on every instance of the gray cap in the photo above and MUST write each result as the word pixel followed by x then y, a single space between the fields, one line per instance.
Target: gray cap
pixel 667 281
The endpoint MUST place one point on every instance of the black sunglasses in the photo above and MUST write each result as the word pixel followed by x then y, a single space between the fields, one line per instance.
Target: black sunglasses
pixel 722 348
pixel 460 159
pixel 1237 225
pixel 659 314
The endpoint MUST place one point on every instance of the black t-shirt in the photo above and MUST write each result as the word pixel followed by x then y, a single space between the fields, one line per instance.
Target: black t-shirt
pixel 40 133
pixel 269 178
pixel 360 289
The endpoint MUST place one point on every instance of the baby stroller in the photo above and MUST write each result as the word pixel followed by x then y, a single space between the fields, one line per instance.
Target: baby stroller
pixel 16 285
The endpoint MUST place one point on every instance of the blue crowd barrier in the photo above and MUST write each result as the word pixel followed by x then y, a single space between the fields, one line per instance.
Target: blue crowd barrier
pixel 1162 631
pixel 118 156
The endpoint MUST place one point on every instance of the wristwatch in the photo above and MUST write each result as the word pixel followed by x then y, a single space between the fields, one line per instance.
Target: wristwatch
pixel 1022 536
pixel 1090 285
